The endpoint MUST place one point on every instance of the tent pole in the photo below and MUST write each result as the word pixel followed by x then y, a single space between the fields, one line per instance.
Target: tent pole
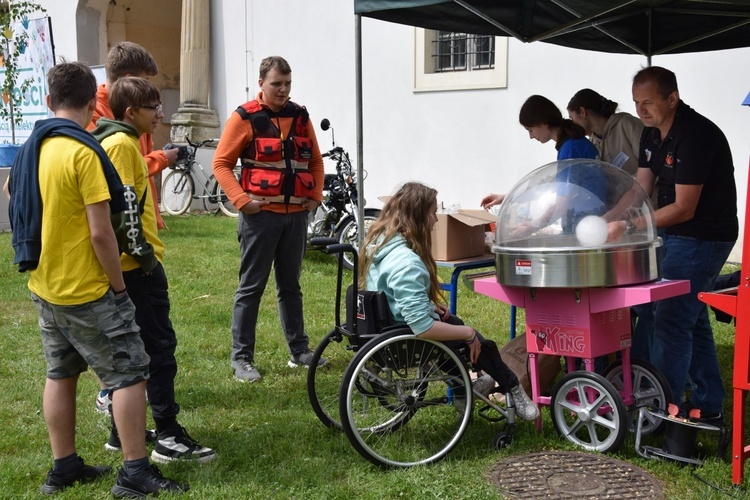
pixel 358 126
pixel 650 14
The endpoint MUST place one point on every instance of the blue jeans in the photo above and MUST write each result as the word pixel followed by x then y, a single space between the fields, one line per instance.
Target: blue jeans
pixel 684 343
pixel 269 239
pixel 643 333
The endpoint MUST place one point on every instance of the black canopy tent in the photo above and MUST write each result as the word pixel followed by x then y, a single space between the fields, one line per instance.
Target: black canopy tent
pixel 646 27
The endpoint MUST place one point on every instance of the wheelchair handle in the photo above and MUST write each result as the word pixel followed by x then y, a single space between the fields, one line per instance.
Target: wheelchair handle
pixel 323 241
pixel 339 248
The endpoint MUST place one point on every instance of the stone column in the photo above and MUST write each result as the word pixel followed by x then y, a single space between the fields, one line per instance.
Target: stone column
pixel 194 118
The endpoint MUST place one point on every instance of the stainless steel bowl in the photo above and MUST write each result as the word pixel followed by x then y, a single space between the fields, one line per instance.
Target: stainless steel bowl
pixel 535 263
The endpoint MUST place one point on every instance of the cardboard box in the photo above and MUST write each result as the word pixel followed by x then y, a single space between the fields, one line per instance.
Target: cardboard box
pixel 460 235
pixel 515 356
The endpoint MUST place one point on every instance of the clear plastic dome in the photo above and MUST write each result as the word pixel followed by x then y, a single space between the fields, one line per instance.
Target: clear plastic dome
pixel 567 204
pixel 558 217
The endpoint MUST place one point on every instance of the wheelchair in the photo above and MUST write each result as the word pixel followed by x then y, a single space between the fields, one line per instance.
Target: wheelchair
pixel 401 400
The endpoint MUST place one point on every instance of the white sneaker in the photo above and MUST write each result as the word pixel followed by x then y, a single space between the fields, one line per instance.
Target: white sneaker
pixel 526 409
pixel 103 401
pixel 484 385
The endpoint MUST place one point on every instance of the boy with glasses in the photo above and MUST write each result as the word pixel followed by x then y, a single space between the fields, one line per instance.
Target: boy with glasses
pixel 135 105
pixel 131 59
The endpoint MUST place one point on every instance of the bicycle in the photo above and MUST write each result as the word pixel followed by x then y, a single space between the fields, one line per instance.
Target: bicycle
pixel 178 187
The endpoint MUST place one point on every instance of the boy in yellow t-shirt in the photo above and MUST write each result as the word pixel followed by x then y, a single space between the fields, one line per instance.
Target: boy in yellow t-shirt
pixel 137 110
pixel 60 207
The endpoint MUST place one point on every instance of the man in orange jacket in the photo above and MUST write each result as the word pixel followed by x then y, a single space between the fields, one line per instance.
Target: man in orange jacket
pixel 282 182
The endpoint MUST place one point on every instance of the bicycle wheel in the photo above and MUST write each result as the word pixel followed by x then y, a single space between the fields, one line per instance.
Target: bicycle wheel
pixel 210 201
pixel 323 382
pixel 650 389
pixel 225 205
pixel 395 400
pixel 177 192
pixel 588 411
pixel 348 233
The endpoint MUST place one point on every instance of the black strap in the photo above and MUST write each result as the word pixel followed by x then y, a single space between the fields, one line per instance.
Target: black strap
pixel 243 113
pixel 142 203
pixel 288 145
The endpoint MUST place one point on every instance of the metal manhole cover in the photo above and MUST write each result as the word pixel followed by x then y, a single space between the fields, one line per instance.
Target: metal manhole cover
pixel 572 475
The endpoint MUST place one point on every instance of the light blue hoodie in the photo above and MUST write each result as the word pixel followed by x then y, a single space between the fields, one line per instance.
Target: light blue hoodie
pixel 401 274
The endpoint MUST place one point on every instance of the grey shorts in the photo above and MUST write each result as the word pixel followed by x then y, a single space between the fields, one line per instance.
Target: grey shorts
pixel 101 334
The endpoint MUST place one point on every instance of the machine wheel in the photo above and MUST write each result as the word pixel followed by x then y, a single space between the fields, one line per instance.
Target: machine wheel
pixel 346 232
pixel 395 400
pixel 177 192
pixel 588 411
pixel 225 205
pixel 210 202
pixel 323 382
pixel 650 389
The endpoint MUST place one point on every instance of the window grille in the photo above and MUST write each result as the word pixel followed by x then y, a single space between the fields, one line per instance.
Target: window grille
pixel 463 52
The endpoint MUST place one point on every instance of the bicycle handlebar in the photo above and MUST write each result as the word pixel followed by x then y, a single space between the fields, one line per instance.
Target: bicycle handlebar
pixel 202 143
pixel 334 151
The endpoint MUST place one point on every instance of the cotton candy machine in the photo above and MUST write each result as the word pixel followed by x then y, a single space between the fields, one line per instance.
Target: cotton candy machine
pixel 552 229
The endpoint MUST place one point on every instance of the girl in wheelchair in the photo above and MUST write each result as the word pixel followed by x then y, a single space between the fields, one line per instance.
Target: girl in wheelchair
pixel 397 260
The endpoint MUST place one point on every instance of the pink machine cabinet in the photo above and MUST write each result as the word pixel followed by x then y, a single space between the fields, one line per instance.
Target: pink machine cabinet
pixel 588 409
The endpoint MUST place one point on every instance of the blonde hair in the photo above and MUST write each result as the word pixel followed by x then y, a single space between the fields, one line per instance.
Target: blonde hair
pixel 407 213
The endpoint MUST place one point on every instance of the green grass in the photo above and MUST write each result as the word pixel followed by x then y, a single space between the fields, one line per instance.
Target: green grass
pixel 270 443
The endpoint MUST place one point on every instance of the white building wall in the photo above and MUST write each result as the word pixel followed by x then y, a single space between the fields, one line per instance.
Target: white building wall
pixel 64 28
pixel 464 143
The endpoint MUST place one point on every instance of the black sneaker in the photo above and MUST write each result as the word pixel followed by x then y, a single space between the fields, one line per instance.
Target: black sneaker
pixel 304 359
pixel 57 481
pixel 144 483
pixel 180 446
pixel 113 444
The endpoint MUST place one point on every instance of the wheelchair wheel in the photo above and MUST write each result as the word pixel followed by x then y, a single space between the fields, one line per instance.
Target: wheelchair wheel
pixel 650 389
pixel 405 401
pixel 588 411
pixel 323 382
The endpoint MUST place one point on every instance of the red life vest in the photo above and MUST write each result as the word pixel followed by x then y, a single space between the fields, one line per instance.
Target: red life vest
pixel 275 168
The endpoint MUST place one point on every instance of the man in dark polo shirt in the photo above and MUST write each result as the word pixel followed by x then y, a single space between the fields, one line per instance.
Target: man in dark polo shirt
pixel 697 209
